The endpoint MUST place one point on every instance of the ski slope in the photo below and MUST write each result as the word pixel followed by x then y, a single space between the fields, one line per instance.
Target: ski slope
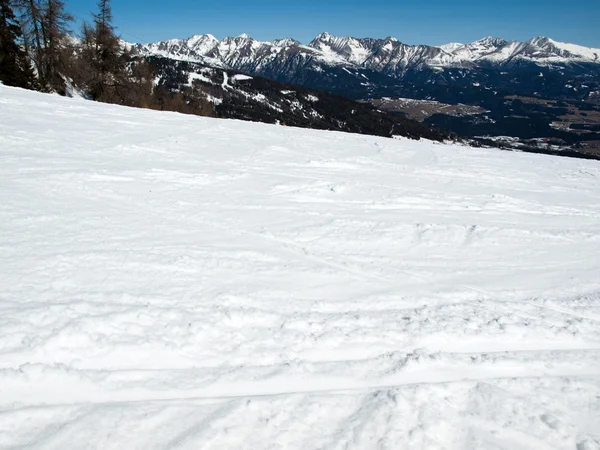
pixel 169 281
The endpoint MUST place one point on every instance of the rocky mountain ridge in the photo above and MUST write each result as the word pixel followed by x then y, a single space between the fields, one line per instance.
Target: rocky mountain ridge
pixel 388 56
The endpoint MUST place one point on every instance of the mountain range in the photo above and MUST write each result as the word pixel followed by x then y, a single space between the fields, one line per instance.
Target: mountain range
pixel 374 68
pixel 388 56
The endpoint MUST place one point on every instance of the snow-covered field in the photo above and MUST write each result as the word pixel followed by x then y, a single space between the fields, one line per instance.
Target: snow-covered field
pixel 169 281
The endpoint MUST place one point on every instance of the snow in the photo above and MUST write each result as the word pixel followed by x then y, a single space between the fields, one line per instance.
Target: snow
pixel 198 76
pixel 225 83
pixel 214 100
pixel 240 77
pixel 285 42
pixel 202 44
pixel 451 47
pixel 169 281
pixel 585 53
pixel 358 53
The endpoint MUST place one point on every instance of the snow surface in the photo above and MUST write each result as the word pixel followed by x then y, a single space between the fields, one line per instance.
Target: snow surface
pixel 169 281
pixel 240 77
pixel 450 47
pixel 193 76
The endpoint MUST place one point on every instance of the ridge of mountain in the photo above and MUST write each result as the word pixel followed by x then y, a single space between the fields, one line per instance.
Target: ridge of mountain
pixel 388 56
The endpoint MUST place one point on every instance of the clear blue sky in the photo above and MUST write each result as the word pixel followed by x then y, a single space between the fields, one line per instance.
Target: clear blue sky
pixel 431 22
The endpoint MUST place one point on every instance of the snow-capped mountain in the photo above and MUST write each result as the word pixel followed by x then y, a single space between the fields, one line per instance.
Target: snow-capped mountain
pixel 542 51
pixel 240 52
pixel 376 68
pixel 388 56
pixel 393 56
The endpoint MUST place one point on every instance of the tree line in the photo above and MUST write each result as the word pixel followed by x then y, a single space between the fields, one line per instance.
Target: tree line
pixel 38 51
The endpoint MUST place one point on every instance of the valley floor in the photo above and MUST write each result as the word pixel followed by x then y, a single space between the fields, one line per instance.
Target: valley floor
pixel 171 281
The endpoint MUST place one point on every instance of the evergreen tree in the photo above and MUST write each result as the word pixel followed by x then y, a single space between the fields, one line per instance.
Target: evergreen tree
pixel 102 53
pixel 31 14
pixel 105 71
pixel 55 26
pixel 46 24
pixel 14 66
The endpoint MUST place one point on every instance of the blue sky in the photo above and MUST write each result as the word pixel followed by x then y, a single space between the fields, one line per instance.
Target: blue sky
pixel 431 22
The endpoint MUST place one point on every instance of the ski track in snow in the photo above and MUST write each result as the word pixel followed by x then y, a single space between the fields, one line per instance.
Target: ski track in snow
pixel 170 281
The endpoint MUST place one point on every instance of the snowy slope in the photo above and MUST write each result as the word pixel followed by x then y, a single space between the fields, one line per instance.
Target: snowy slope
pixel 171 281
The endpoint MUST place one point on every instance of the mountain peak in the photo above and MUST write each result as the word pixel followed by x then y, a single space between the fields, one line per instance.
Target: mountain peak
pixel 541 38
pixel 244 36
pixel 201 38
pixel 324 36
pixel 490 41
pixel 285 42
pixel 452 46
pixel 564 49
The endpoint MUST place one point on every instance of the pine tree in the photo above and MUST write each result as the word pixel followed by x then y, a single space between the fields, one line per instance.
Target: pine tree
pixel 31 13
pixel 102 53
pixel 46 26
pixel 14 66
pixel 55 26
pixel 111 74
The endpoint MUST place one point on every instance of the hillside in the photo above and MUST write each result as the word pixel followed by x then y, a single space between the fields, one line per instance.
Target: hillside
pixel 172 281
pixel 210 90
